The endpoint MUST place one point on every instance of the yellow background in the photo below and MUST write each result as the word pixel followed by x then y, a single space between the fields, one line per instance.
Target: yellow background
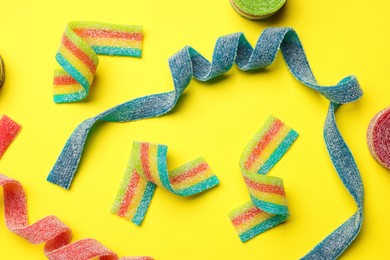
pixel 214 119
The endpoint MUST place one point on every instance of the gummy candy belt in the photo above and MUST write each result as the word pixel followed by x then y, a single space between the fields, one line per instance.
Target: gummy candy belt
pixel 267 207
pixel 77 55
pixel 147 169
pixel 230 49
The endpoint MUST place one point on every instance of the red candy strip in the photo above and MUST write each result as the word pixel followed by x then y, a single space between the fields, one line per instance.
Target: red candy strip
pixel 9 129
pixel 49 229
pixel 378 136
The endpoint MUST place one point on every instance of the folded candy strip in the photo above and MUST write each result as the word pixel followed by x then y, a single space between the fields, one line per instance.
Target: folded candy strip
pixel 147 168
pixel 9 129
pixel 268 205
pixel 49 230
pixel 230 49
pixel 77 55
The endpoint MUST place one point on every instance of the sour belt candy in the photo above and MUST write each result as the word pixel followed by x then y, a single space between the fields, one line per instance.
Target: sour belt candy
pixel 49 230
pixel 77 55
pixel 378 137
pixel 230 49
pixel 268 205
pixel 9 129
pixel 147 168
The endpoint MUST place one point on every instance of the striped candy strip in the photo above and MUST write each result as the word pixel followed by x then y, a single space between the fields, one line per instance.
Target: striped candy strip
pixel 268 205
pixel 9 129
pixel 147 168
pixel 49 230
pixel 77 55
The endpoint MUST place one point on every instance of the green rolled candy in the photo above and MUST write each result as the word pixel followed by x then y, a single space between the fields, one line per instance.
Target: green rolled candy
pixel 257 9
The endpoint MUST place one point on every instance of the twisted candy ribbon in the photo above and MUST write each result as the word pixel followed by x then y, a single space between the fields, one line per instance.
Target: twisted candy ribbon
pixel 49 229
pixel 147 168
pixel 188 63
pixel 77 55
pixel 268 205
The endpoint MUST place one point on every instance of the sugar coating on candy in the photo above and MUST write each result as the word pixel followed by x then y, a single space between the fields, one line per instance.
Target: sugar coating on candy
pixel 378 137
pixel 77 55
pixel 257 9
pixel 268 205
pixel 88 249
pixel 49 230
pixel 230 49
pixel 146 169
pixel 188 63
pixel 9 129
pixel 2 71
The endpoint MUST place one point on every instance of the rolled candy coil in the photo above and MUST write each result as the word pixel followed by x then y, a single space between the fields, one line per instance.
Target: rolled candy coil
pixel 378 137
pixel 257 9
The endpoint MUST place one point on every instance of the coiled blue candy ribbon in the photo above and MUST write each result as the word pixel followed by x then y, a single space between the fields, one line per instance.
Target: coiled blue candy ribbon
pixel 234 48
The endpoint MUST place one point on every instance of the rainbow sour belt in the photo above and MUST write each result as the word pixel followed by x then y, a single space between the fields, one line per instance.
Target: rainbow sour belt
pixel 230 49
pixel 77 55
pixel 147 168
pixel 268 205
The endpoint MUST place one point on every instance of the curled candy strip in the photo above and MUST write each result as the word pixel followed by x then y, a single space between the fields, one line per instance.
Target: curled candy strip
pixel 230 49
pixel 268 205
pixel 77 55
pixel 49 230
pixel 378 137
pixel 147 168
pixel 9 129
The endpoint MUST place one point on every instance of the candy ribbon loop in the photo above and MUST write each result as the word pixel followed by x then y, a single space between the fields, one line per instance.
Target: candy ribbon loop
pixel 268 205
pixel 49 230
pixel 77 55
pixel 188 63
pixel 147 168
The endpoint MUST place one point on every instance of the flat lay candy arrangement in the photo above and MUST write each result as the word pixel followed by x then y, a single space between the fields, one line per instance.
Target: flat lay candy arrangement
pixel 263 155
